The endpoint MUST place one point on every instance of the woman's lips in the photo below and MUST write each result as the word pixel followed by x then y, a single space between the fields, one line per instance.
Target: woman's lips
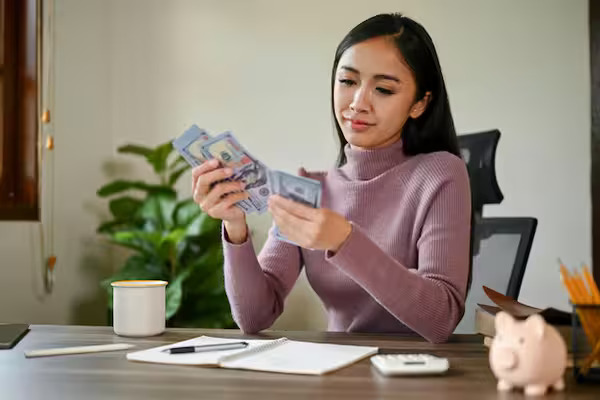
pixel 359 125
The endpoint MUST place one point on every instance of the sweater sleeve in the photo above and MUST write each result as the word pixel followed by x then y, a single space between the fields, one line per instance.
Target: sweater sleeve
pixel 257 286
pixel 430 299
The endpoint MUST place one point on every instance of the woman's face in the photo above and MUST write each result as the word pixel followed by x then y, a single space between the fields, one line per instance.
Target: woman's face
pixel 374 94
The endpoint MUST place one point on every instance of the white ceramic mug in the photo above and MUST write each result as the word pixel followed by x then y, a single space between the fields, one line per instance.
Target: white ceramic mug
pixel 139 308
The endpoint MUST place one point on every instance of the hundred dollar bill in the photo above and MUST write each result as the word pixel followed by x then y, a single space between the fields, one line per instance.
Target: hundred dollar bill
pixel 297 188
pixel 189 146
pixel 226 148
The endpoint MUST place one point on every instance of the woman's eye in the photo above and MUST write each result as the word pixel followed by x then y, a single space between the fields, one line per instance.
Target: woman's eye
pixel 385 91
pixel 346 82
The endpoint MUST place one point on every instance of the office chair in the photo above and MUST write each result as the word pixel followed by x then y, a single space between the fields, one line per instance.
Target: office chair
pixel 479 152
pixel 503 245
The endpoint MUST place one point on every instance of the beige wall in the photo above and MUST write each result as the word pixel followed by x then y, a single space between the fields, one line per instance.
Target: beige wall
pixel 144 70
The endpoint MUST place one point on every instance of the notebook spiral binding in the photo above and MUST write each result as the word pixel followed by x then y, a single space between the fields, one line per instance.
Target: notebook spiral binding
pixel 253 350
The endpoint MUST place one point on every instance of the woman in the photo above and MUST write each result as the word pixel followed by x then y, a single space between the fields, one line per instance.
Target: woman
pixel 389 249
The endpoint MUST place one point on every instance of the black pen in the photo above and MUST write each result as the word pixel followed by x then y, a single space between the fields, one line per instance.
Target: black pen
pixel 206 347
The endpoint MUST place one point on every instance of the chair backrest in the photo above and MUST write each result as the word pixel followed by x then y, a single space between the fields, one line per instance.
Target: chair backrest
pixel 501 247
pixel 479 152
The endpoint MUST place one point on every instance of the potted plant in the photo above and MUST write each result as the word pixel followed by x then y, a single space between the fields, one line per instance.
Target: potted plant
pixel 171 239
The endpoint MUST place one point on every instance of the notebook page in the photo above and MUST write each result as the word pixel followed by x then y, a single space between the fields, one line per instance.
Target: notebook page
pixel 251 350
pixel 211 358
pixel 295 357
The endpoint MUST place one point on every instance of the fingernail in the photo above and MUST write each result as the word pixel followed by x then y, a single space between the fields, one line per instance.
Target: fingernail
pixel 228 171
pixel 214 162
pixel 242 185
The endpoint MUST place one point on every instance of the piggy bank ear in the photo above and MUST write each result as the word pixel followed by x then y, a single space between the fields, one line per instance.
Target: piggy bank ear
pixel 503 321
pixel 536 325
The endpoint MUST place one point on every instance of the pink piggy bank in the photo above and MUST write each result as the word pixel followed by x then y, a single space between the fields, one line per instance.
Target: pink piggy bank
pixel 529 354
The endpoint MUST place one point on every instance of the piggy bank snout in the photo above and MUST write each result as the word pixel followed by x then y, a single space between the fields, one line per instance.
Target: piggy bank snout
pixel 506 359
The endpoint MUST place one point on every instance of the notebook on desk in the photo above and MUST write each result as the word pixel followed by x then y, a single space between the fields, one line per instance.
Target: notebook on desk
pixel 279 355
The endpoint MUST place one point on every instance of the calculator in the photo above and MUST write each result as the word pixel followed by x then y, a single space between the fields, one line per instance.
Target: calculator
pixel 410 364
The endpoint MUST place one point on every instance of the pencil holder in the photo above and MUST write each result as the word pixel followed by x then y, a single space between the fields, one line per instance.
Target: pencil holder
pixel 586 342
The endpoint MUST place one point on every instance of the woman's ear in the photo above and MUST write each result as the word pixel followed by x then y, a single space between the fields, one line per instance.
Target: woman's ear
pixel 420 106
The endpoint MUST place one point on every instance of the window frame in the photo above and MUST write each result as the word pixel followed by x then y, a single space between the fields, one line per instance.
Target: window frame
pixel 19 105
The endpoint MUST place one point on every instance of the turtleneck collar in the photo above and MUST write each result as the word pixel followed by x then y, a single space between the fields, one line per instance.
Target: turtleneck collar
pixel 364 164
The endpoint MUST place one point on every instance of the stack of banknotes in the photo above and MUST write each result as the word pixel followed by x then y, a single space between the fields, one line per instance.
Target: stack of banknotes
pixel 197 146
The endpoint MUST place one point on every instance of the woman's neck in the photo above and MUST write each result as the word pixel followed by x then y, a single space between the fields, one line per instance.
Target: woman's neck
pixel 366 163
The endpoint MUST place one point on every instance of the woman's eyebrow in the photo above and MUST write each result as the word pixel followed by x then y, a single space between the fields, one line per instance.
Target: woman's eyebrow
pixel 349 69
pixel 377 76
pixel 388 77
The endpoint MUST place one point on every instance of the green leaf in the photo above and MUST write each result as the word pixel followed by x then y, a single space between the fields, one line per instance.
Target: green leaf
pixel 174 294
pixel 158 208
pixel 207 310
pixel 122 185
pixel 149 237
pixel 206 272
pixel 145 242
pixel 211 258
pixel 136 149
pixel 112 226
pixel 158 158
pixel 185 212
pixel 175 175
pixel 203 223
pixel 124 208
pixel 173 237
pixel 195 247
pixel 170 243
pixel 178 161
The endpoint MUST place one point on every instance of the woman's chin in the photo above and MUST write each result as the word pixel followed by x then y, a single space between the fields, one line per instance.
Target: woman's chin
pixel 368 142
pixel 358 144
pixel 361 140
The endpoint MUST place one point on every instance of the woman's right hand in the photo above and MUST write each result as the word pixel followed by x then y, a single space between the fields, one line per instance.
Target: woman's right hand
pixel 218 199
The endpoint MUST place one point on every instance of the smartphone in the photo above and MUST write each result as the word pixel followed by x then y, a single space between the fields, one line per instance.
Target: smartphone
pixel 10 334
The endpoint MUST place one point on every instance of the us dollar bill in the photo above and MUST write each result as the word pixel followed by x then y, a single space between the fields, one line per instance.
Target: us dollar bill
pixel 296 188
pixel 189 146
pixel 228 150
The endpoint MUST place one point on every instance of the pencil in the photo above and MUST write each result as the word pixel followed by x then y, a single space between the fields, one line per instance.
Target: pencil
pixel 594 314
pixel 591 284
pixel 566 279
pixel 78 350
pixel 573 291
pixel 584 295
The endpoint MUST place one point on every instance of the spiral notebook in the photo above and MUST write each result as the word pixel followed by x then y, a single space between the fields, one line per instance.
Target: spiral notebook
pixel 279 355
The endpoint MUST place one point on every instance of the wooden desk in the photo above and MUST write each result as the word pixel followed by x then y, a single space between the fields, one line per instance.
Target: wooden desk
pixel 111 376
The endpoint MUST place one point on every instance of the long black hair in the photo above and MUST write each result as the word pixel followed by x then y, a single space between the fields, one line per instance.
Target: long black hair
pixel 434 129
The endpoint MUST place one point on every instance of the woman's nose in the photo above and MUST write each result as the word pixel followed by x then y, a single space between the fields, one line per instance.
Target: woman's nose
pixel 360 102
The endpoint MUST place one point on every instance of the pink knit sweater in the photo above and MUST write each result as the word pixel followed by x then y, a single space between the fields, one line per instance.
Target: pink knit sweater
pixel 404 266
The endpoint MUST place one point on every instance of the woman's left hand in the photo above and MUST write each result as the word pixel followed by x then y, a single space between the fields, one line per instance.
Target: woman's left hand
pixel 311 228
